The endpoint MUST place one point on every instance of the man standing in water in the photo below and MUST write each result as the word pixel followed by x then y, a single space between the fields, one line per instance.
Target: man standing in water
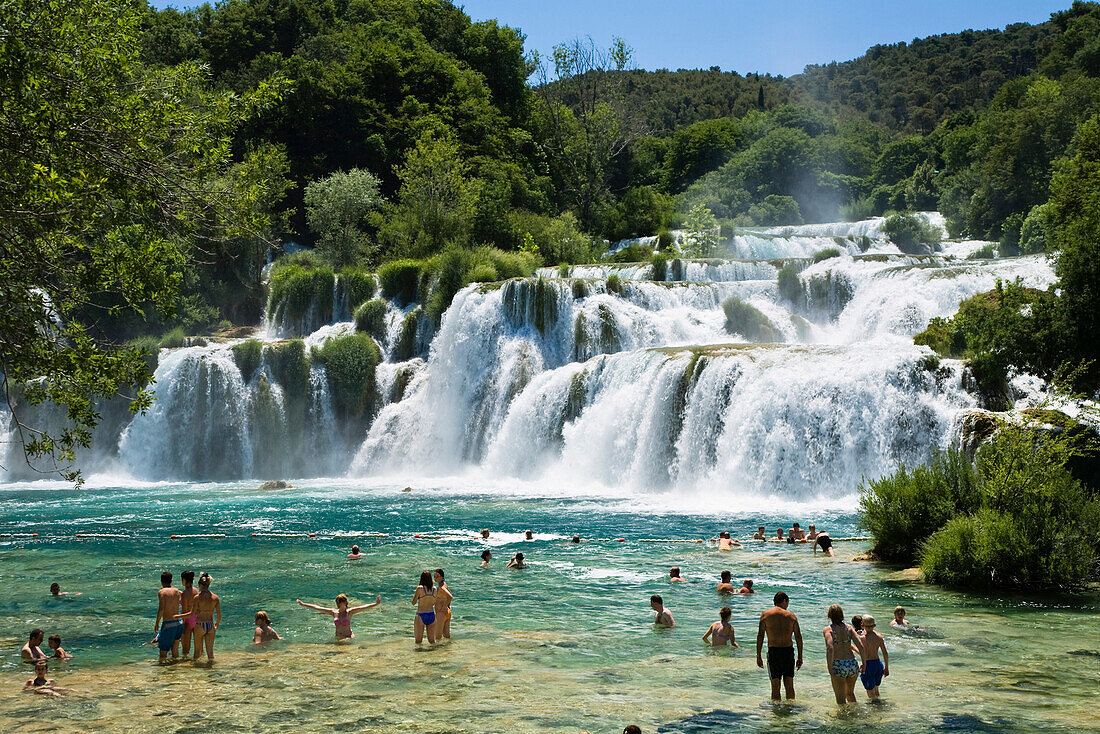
pixel 187 606
pixel 169 600
pixel 780 626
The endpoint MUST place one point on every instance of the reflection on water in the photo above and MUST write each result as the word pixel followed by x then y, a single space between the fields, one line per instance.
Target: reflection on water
pixel 564 645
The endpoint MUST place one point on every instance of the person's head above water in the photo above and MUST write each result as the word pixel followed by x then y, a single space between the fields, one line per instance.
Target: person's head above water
pixel 355 550
pixel 761 529
pixel 836 614
pixel 54 641
pixel 899 613
pixel 725 613
pixel 35 636
pixel 795 526
pixel 779 533
pixel 781 599
pixel 724 534
pixel 486 554
pixel 656 601
pixel 674 571
pixel 166 579
pixel 41 667
pixel 528 534
pixel 632 729
pixel 55 588
pixel 262 619
pixel 726 577
pixel 485 532
pixel 341 600
pixel 748 583
pixel 576 539
pixel 518 557
pixel 187 577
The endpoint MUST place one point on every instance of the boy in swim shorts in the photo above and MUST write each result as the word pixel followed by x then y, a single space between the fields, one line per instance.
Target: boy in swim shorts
pixel 873 670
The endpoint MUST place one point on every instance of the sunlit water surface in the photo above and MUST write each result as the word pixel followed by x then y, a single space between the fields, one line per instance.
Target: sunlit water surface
pixel 565 645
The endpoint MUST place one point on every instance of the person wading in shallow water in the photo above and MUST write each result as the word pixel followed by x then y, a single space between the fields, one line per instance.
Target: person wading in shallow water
pixel 169 625
pixel 840 642
pixel 207 605
pixel 780 626
pixel 443 599
pixel 424 601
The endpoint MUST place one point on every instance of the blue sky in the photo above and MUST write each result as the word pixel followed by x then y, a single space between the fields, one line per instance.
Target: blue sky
pixel 780 37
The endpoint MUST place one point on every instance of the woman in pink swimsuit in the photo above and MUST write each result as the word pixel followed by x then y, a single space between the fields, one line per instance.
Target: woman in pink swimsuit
pixel 341 615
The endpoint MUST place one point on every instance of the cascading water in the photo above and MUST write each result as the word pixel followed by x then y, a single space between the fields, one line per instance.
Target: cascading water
pixel 573 378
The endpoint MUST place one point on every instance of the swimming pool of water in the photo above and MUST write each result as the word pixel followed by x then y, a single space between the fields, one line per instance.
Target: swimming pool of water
pixel 564 645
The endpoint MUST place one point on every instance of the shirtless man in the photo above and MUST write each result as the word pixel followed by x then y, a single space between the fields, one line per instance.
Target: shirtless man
pixel 32 651
pixel 746 587
pixel 780 626
pixel 725 586
pixel 355 555
pixel 812 535
pixel 760 534
pixel 796 535
pixel 780 535
pixel 664 616
pixel 725 542
pixel 674 576
pixel 169 625
pixel 187 606
pixel 206 626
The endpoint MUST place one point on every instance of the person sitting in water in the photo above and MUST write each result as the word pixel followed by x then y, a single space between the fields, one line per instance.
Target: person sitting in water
pixel 32 651
pixel 664 616
pixel 725 586
pixel 41 684
pixel 264 632
pixel 746 587
pixel 168 625
pixel 781 534
pixel 721 632
pixel 55 590
pixel 899 620
pixel 796 534
pixel 58 651
pixel 873 670
pixel 424 601
pixel 760 534
pixel 341 615
pixel 486 556
pixel 812 535
pixel 825 542
pixel 517 561
pixel 355 555
pixel 674 575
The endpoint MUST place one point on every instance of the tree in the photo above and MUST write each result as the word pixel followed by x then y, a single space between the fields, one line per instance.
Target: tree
pixel 115 175
pixel 582 119
pixel 337 208
pixel 701 238
pixel 437 197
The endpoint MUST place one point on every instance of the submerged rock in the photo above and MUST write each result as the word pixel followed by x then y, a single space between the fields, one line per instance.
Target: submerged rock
pixel 277 484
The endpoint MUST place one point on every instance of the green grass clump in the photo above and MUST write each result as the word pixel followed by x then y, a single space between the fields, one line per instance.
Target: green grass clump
pixel 484 273
pixel 826 254
pixel 790 285
pixel 173 339
pixel 294 288
pixel 289 365
pixel 357 285
pixel 632 254
pixel 350 363
pixel 614 284
pixel 748 321
pixel 985 252
pixel 400 280
pixel 371 318
pixel 659 261
pixel 247 355
pixel 911 234
pixel 563 270
pixel 406 342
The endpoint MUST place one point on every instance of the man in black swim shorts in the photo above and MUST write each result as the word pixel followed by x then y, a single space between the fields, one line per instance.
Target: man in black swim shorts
pixel 781 628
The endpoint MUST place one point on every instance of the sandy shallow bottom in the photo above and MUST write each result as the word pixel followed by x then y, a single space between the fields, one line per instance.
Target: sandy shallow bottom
pixel 564 646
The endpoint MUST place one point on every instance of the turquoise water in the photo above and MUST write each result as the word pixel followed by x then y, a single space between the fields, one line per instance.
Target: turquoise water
pixel 564 645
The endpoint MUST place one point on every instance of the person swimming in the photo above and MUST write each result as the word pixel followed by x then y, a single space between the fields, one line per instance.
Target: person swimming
pixel 899 619
pixel 55 590
pixel 826 544
pixel 720 633
pixel 424 601
pixel 746 587
pixel 796 534
pixel 781 534
pixel 725 586
pixel 725 542
pixel 264 632
pixel 528 535
pixel 575 539
pixel 42 685
pixel 341 615
pixel 355 555
pixel 485 533
pixel 517 561
pixel 760 534
pixel 674 575
pixel 486 556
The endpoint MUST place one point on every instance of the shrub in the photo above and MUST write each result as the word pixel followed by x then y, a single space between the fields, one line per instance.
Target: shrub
pixel 632 254
pixel 450 269
pixel 826 254
pixel 406 342
pixel 659 261
pixel 1035 234
pixel 902 510
pixel 666 240
pixel 371 318
pixel 614 284
pixel 985 252
pixel 857 210
pixel 790 285
pixel 148 346
pixel 289 366
pixel 174 339
pixel 563 270
pixel 748 321
pixel 484 273
pixel 358 286
pixel 247 355
pixel 911 234
pixel 350 362
pixel 400 280
pixel 294 288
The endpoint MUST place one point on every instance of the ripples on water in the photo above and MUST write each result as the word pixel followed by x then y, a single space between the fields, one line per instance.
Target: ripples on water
pixel 565 645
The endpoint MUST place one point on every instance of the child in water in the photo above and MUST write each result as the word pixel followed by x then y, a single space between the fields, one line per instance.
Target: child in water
pixel 264 633
pixel 341 615
pixel 873 670
pixel 721 632
pixel 41 684
pixel 486 556
pixel 58 652
pixel 899 621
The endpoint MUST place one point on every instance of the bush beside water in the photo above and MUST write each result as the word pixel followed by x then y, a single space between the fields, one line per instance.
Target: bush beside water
pixel 350 363
pixel 749 321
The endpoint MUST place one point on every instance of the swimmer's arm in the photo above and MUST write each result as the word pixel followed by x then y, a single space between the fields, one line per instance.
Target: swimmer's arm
pixel 706 635
pixel 733 637
pixel 361 607
pixel 316 607
pixel 798 641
